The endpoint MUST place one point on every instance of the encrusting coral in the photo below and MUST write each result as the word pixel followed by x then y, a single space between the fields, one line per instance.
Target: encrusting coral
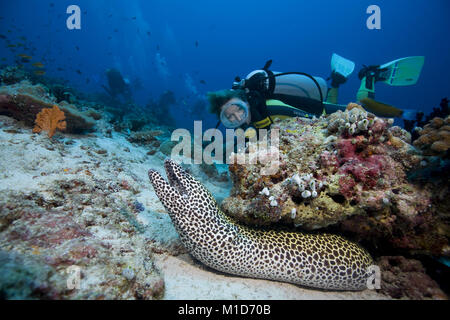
pixel 357 164
pixel 49 120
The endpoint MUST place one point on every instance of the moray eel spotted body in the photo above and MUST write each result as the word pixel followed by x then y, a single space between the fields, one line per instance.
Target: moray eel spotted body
pixel 324 261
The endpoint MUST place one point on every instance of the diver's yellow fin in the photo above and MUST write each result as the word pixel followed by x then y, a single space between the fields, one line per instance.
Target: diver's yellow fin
pixel 381 109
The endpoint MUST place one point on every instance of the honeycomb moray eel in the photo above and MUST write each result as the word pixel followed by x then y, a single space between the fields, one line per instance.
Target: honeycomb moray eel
pixel 324 261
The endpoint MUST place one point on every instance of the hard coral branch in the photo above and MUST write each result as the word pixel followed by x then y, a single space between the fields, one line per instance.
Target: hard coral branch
pixel 49 120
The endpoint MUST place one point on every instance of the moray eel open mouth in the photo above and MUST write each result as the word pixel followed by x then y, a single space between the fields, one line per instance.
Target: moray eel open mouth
pixel 174 182
pixel 174 177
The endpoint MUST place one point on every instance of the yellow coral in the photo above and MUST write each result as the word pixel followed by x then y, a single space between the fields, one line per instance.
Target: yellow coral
pixel 435 136
pixel 425 139
pixel 49 120
pixel 440 146
pixel 352 105
pixel 444 135
pixel 437 122
pixel 396 142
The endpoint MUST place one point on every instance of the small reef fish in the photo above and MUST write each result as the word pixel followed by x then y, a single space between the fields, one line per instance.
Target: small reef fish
pixel 25 56
pixel 202 81
pixel 2 36
pixel 11 46
pixel 39 72
pixel 38 65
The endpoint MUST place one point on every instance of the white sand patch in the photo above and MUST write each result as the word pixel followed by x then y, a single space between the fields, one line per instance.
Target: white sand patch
pixel 187 279
pixel 159 227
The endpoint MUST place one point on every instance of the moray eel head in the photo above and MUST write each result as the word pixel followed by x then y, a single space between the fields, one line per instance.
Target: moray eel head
pixel 180 191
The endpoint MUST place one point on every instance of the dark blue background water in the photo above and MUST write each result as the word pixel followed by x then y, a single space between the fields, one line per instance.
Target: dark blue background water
pixel 233 37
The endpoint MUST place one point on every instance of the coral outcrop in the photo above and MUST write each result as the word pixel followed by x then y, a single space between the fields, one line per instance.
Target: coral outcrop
pixel 434 137
pixel 23 101
pixel 12 74
pixel 415 125
pixel 347 171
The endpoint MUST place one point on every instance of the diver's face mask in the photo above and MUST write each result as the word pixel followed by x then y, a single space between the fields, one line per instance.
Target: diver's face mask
pixel 234 113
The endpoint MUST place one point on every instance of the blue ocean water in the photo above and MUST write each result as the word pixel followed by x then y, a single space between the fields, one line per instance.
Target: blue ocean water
pixel 191 47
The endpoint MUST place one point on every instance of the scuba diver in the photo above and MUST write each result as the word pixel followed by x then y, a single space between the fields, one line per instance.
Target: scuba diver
pixel 117 85
pixel 263 95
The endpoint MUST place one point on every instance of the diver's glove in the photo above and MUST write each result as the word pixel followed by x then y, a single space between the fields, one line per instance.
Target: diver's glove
pixel 367 71
pixel 337 79
pixel 372 74
pixel 258 110
pixel 258 107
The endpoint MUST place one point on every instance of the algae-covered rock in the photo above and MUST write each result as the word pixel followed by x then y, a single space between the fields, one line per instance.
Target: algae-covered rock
pixel 69 236
pixel 406 278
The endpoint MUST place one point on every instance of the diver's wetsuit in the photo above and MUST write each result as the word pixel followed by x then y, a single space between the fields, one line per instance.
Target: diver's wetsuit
pixel 291 95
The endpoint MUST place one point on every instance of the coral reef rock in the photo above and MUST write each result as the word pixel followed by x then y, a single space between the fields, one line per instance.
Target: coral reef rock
pixel 12 74
pixel 403 278
pixel 42 242
pixel 23 101
pixel 346 171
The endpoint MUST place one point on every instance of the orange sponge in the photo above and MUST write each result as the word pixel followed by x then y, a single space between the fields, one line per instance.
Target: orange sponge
pixel 49 120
